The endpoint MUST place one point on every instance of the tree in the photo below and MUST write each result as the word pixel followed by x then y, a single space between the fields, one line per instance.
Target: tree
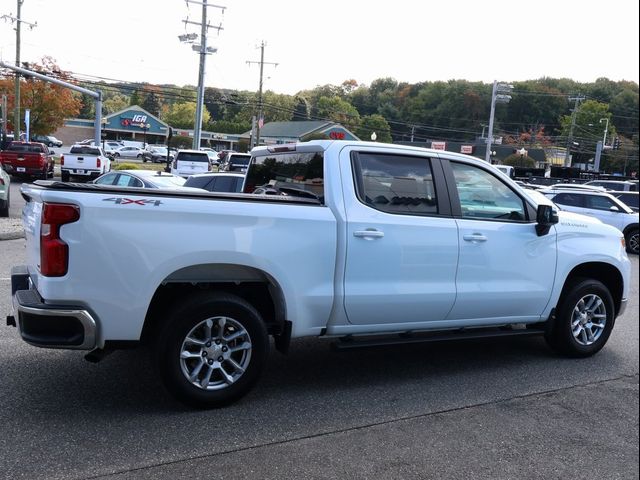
pixel 115 104
pixel 183 115
pixel 374 123
pixel 49 104
pixel 151 103
pixel 301 109
pixel 337 110
pixel 134 99
pixel 517 160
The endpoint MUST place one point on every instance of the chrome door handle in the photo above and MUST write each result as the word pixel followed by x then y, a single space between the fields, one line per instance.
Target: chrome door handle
pixel 475 237
pixel 369 234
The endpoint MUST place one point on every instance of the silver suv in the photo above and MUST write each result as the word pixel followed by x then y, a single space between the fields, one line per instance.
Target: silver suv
pixel 601 205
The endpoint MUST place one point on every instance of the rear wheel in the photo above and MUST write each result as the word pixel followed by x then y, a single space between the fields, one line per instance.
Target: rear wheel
pixel 631 239
pixel 584 319
pixel 64 176
pixel 212 349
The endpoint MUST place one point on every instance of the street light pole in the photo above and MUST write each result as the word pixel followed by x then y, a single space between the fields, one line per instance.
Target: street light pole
pixel 606 128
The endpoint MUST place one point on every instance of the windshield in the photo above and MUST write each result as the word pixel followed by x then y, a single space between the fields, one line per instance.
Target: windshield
pixel 192 157
pixel 23 147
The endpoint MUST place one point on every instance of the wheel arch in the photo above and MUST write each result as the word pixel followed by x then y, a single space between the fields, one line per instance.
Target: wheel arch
pixel 257 287
pixel 628 228
pixel 606 273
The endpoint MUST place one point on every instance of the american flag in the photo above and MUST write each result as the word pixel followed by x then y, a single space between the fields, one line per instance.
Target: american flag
pixel 260 122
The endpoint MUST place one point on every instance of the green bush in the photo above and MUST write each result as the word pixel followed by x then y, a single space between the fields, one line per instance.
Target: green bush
pixel 126 166
pixel 515 160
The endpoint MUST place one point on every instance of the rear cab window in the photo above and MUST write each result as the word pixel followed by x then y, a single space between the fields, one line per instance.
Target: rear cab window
pixel 192 157
pixel 291 173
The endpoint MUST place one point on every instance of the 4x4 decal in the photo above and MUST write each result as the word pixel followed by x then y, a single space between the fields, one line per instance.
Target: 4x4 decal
pixel 128 201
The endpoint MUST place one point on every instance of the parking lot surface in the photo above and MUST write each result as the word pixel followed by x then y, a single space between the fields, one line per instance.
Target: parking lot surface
pixel 505 408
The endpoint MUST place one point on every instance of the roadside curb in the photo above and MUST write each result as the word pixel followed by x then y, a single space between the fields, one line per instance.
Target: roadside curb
pixel 11 235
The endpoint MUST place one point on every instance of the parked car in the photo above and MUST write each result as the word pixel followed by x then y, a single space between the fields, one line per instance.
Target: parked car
pixel 217 182
pixel 602 205
pixel 577 186
pixel 129 152
pixel 5 183
pixel 235 162
pixel 190 162
pixel 157 155
pixel 213 157
pixel 618 185
pixel 110 147
pixel 630 199
pixel 48 140
pixel 28 159
pixel 143 179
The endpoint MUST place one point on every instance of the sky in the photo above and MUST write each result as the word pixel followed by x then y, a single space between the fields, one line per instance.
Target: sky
pixel 328 42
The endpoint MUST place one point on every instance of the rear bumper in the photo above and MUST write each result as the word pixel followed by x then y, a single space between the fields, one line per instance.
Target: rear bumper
pixel 20 170
pixel 80 172
pixel 49 326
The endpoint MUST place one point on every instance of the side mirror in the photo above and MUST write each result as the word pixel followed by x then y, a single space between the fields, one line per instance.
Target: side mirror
pixel 613 208
pixel 546 216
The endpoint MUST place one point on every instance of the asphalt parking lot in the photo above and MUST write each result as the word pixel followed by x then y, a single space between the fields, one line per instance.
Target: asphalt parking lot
pixel 498 409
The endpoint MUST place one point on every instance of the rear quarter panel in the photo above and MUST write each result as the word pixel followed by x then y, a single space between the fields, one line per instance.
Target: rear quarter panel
pixel 120 253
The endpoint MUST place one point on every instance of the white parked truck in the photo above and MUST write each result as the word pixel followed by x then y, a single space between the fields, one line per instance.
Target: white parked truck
pixel 365 242
pixel 84 162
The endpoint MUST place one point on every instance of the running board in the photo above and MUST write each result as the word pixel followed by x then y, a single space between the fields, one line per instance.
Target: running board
pixel 350 342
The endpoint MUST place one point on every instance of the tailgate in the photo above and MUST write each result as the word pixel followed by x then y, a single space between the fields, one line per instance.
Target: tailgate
pixel 31 215
pixel 86 162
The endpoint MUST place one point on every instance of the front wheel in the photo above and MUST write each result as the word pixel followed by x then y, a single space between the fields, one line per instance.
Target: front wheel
pixel 212 349
pixel 631 240
pixel 584 319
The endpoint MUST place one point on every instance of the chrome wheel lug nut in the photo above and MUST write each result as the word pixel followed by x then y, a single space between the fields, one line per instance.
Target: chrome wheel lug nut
pixel 218 342
pixel 208 344
pixel 210 361
pixel 220 359
pixel 224 349
pixel 204 354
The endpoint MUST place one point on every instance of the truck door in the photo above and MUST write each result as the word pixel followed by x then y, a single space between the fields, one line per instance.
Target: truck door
pixel 505 270
pixel 401 242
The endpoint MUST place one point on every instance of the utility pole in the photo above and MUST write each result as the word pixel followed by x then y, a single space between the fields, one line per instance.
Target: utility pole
pixel 203 50
pixel 18 21
pixel 260 115
pixel 567 155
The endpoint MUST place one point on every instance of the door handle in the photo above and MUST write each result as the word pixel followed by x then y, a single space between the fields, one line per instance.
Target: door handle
pixel 475 237
pixel 368 234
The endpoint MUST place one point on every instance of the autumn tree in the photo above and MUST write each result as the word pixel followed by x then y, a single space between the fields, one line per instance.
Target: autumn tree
pixel 49 104
pixel 183 115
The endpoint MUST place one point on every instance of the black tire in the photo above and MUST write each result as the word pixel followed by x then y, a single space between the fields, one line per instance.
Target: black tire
pixel 4 206
pixel 574 308
pixel 189 320
pixel 631 240
pixel 64 176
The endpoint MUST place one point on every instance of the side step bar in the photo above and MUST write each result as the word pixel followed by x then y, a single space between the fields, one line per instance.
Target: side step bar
pixel 349 342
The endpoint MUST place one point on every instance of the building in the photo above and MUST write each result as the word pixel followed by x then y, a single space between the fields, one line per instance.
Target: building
pixel 288 132
pixel 136 124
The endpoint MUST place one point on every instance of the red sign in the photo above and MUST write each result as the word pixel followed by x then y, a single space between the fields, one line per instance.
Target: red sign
pixel 336 135
pixel 466 149
pixel 439 145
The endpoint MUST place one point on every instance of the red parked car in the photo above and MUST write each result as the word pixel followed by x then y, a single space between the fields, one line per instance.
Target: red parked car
pixel 28 159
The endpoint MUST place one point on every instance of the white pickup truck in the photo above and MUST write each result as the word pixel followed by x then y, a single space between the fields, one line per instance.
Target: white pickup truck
pixel 367 243
pixel 84 161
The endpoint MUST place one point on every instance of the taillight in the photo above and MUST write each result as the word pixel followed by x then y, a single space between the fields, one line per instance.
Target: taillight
pixel 54 253
pixel 98 164
pixel 61 159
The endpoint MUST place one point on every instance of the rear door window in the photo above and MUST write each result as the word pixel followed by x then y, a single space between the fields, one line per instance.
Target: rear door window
pixel 397 184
